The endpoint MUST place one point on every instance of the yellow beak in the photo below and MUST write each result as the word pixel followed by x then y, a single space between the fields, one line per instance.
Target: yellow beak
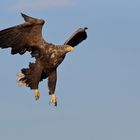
pixel 70 48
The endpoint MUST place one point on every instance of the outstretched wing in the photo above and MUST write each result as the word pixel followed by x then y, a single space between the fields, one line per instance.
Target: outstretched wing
pixel 77 37
pixel 23 37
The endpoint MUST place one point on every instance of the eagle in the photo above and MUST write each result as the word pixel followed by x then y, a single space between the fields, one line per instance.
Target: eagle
pixel 27 37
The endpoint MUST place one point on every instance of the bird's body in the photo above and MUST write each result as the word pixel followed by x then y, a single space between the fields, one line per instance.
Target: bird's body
pixel 28 37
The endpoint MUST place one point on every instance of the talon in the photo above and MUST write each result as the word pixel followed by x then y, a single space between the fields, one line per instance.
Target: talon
pixel 37 94
pixel 53 100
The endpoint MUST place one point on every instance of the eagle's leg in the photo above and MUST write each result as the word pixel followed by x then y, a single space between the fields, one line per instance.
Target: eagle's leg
pixel 36 94
pixel 52 78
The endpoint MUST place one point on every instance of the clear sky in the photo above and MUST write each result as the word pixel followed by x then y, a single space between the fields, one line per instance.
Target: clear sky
pixel 98 85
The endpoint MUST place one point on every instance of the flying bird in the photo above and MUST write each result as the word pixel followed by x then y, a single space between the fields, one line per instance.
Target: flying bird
pixel 27 37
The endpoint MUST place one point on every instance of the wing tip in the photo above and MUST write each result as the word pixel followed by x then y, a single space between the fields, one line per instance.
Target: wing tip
pixel 32 19
pixel 28 18
pixel 24 15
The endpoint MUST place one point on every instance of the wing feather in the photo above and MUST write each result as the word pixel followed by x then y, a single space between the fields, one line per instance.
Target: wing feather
pixel 23 37
pixel 77 37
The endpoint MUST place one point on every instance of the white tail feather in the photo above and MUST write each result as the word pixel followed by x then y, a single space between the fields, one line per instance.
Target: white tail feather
pixel 20 82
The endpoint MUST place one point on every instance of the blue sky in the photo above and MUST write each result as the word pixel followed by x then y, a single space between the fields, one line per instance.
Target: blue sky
pixel 98 84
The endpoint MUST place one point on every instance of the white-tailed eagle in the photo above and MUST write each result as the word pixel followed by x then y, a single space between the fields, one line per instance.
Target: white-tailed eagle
pixel 28 37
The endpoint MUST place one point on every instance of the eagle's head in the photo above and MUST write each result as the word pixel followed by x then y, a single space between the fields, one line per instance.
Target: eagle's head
pixel 61 50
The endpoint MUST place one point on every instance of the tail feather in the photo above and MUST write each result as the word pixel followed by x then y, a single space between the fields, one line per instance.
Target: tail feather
pixel 31 76
pixel 20 82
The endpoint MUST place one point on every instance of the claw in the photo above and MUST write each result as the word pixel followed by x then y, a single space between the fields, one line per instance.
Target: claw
pixel 53 100
pixel 37 94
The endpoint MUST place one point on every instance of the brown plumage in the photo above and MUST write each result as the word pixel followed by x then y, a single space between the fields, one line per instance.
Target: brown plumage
pixel 28 37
